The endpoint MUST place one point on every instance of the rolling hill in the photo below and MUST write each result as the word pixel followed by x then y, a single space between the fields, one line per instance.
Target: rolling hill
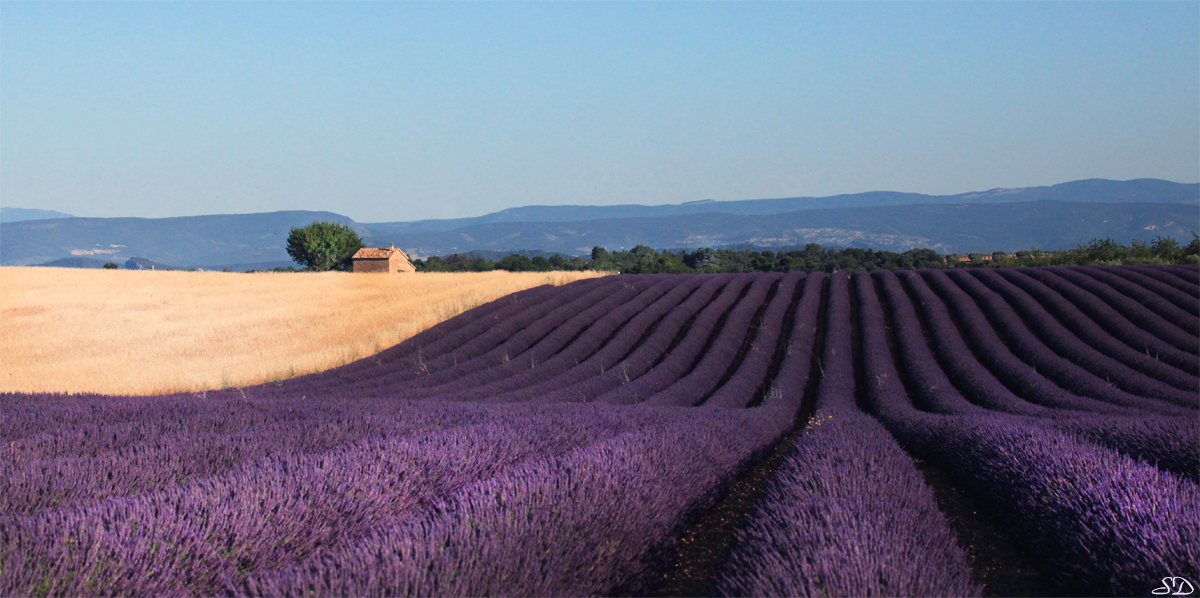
pixel 945 228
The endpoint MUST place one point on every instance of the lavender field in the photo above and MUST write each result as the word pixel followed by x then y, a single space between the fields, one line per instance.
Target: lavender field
pixel 567 440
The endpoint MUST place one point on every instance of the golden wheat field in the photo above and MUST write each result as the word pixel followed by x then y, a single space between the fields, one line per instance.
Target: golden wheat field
pixel 152 332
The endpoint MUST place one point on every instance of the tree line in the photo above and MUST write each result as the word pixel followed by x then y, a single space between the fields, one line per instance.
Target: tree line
pixel 815 258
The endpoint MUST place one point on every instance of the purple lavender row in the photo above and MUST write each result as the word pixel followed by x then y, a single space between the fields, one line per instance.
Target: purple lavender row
pixel 194 538
pixel 1063 370
pixel 933 391
pixel 990 353
pixel 484 336
pixel 458 339
pixel 1116 324
pixel 517 332
pixel 504 339
pixel 1189 273
pixel 786 398
pixel 1166 442
pixel 790 382
pixel 410 358
pixel 846 514
pixel 649 331
pixel 1185 302
pixel 836 387
pixel 968 373
pixel 454 327
pixel 29 415
pixel 632 379
pixel 1138 315
pixel 616 331
pixel 114 425
pixel 844 485
pixel 1100 523
pixel 1184 273
pixel 1135 373
pixel 1018 374
pixel 1164 276
pixel 117 422
pixel 960 365
pixel 690 357
pixel 31 485
pixel 1137 290
pixel 31 480
pixel 586 522
pixel 1094 333
pixel 436 341
pixel 551 334
pixel 750 378
pixel 40 421
pixel 720 354
pixel 502 336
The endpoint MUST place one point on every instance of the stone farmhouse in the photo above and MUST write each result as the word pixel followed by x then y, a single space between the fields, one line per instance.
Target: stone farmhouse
pixel 381 259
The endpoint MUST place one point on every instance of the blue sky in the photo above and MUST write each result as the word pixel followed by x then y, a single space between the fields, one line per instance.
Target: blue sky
pixel 404 111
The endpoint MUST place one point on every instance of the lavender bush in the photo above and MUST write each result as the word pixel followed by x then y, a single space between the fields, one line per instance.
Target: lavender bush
pixel 845 485
pixel 1100 523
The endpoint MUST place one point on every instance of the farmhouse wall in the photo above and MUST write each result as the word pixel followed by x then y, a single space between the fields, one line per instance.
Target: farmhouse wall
pixel 401 263
pixel 372 265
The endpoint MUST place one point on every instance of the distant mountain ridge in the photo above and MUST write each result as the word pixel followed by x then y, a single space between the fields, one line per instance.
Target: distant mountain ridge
pixel 185 242
pixel 22 214
pixel 944 228
pixel 1055 217
pixel 1087 191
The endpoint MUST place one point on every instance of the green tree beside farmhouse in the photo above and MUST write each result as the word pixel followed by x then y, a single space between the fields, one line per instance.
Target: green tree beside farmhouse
pixel 323 246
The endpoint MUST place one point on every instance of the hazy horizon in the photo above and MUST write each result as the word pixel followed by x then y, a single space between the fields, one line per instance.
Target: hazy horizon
pixel 391 112
pixel 529 205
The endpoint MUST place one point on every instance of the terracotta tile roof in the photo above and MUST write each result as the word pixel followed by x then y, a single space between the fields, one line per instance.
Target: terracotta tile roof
pixel 375 253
